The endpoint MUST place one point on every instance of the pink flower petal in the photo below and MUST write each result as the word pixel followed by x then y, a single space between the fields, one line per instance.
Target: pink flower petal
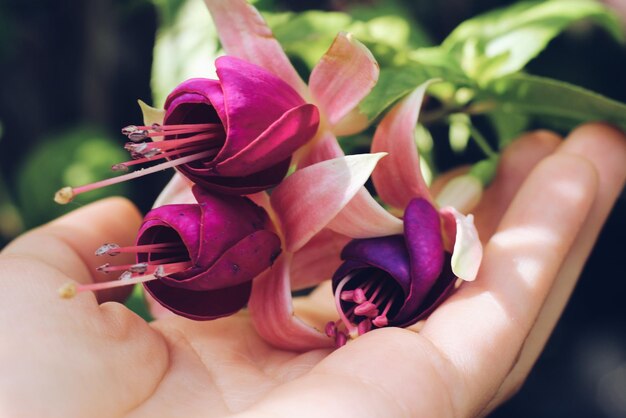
pixel 310 198
pixel 462 192
pixel 244 34
pixel 468 250
pixel 398 179
pixel 178 190
pixel 317 260
pixel 272 313
pixel 343 77
pixel 363 217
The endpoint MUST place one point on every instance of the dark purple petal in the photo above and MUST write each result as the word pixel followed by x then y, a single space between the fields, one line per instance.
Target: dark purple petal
pixel 385 253
pixel 422 231
pixel 440 291
pixel 254 98
pixel 200 305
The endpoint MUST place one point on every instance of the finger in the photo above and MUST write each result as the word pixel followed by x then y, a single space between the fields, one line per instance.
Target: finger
pixel 605 147
pixel 490 318
pixel 517 161
pixel 68 243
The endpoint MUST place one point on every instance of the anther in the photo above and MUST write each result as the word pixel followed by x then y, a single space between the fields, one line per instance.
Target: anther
pixel 119 167
pixel 366 309
pixel 138 268
pixel 127 275
pixel 138 136
pixel 364 326
pixel 159 272
pixel 380 321
pixel 330 329
pixel 107 249
pixel 127 130
pixel 359 295
pixel 340 339
pixel 347 296
pixel 104 267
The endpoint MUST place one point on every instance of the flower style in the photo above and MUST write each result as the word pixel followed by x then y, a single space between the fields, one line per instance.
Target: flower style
pixel 234 135
pixel 198 260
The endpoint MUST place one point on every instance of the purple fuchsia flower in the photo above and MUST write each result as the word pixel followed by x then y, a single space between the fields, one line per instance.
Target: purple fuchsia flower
pixel 197 260
pixel 398 269
pixel 234 135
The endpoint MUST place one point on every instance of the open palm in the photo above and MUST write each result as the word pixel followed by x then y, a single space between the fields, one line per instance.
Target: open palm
pixel 80 358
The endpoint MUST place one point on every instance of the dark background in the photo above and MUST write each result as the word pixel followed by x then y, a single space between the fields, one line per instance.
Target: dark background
pixel 73 70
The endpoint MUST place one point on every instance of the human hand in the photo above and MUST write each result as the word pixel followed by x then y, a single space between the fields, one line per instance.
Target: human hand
pixel 79 358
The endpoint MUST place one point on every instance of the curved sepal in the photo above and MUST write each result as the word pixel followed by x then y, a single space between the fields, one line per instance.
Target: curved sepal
pixel 310 198
pixel 398 179
pixel 317 260
pixel 342 78
pixel 272 313
pixel 244 34
pixel 468 250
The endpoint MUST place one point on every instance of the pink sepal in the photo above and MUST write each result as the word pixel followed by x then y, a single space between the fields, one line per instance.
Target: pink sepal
pixel 244 34
pixel 343 77
pixel 310 198
pixel 272 313
pixel 317 260
pixel 398 179
pixel 468 250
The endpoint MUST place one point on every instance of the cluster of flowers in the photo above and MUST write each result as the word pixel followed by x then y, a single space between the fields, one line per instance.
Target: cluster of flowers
pixel 248 235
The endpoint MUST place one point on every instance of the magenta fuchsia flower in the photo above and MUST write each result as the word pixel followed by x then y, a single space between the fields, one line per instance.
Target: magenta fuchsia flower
pixel 198 260
pixel 234 135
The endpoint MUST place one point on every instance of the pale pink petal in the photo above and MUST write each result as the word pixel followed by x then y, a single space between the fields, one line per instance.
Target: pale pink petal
pixel 462 193
pixel 152 115
pixel 178 190
pixel 343 77
pixel 318 259
pixel 468 250
pixel 354 122
pixel 325 147
pixel 244 34
pixel 310 198
pixel 363 217
pixel 272 313
pixel 398 179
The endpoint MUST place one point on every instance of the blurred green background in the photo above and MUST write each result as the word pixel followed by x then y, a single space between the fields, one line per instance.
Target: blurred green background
pixel 70 74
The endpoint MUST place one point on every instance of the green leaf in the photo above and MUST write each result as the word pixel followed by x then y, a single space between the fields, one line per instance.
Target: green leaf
pixel 185 47
pixel 555 102
pixel 394 83
pixel 508 126
pixel 75 157
pixel 503 41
